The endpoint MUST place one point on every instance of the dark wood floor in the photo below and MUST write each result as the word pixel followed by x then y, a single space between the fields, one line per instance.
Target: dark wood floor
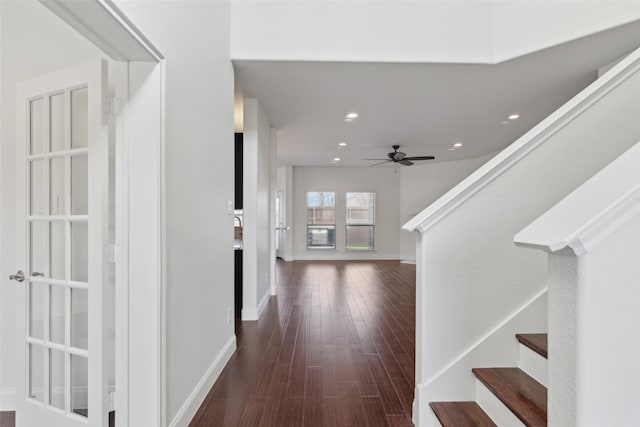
pixel 334 348
pixel 8 419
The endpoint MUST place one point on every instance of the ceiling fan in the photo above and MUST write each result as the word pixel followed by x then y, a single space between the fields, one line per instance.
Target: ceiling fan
pixel 400 157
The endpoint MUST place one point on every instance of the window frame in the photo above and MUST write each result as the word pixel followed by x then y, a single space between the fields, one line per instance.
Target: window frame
pixel 320 225
pixel 371 225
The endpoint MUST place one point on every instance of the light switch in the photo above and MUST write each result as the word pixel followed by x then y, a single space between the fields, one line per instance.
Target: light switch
pixel 229 207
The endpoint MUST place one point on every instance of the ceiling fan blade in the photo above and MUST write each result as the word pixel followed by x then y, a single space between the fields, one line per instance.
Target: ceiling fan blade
pixel 405 162
pixel 379 163
pixel 420 158
pixel 399 155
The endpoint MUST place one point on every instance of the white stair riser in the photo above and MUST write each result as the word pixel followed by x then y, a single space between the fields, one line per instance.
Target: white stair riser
pixel 495 409
pixel 533 364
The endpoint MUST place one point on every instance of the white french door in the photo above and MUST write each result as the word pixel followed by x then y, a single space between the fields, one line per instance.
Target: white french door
pixel 63 233
pixel 280 226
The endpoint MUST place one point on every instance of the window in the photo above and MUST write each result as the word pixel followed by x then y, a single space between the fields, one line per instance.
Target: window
pixel 361 208
pixel 321 220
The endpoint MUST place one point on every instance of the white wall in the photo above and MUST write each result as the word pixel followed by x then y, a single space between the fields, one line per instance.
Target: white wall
pixel 258 209
pixel 434 31
pixel 33 42
pixel 422 184
pixel 382 180
pixel 199 182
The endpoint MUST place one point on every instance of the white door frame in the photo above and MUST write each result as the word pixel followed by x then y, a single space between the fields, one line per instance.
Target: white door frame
pixel 140 220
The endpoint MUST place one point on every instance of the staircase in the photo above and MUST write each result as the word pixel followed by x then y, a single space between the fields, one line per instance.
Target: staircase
pixel 505 397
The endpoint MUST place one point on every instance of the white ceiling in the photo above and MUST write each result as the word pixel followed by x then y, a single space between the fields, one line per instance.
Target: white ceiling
pixel 423 107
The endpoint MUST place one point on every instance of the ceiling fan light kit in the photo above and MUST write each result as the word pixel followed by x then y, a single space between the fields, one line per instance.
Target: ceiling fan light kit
pixel 399 157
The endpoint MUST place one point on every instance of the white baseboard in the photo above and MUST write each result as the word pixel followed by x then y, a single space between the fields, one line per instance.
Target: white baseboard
pixel 422 415
pixel 407 261
pixel 263 303
pixel 195 399
pixel 345 256
pixel 255 313
pixel 7 399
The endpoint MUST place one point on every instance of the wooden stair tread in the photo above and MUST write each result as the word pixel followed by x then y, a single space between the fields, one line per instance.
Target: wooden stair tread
pixel 461 414
pixel 536 342
pixel 523 395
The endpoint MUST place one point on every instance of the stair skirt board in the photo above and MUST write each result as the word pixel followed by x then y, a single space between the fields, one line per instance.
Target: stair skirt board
pixel 497 411
pixel 456 382
pixel 533 364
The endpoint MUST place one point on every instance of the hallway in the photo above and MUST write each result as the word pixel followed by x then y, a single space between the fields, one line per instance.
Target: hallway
pixel 334 348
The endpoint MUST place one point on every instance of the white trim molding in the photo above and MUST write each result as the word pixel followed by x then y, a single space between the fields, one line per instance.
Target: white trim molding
pixel 254 314
pixel 592 212
pixel 511 155
pixel 195 399
pixel 103 24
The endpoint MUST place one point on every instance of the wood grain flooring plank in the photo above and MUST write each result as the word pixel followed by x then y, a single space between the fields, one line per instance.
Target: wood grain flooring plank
pixel 408 366
pixel 364 376
pixel 404 391
pixel 329 374
pixel 373 408
pixel 390 401
pixel 333 412
pixel 298 372
pixel 313 397
pixel 355 411
pixel 276 397
pixel 293 412
pixel 314 354
pixel 399 421
pixel 388 357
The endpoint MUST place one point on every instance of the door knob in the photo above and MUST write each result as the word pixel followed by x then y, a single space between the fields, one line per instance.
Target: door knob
pixel 18 277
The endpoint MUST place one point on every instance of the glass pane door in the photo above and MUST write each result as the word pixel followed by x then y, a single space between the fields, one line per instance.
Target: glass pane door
pixel 65 171
pixel 57 243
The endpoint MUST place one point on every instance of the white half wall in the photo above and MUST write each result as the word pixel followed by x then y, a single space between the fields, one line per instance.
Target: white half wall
pixel 25 54
pixel 384 181
pixel 199 176
pixel 421 185
pixel 258 208
pixel 468 31
pixel 472 276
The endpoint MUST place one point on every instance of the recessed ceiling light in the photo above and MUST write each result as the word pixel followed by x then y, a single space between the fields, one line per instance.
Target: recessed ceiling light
pixel 348 120
pixel 351 116
pixel 337 159
pixel 457 144
pixel 514 116
pixel 342 144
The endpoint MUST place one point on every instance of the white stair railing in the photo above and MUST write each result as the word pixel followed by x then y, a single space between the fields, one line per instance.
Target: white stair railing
pixel 471 278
